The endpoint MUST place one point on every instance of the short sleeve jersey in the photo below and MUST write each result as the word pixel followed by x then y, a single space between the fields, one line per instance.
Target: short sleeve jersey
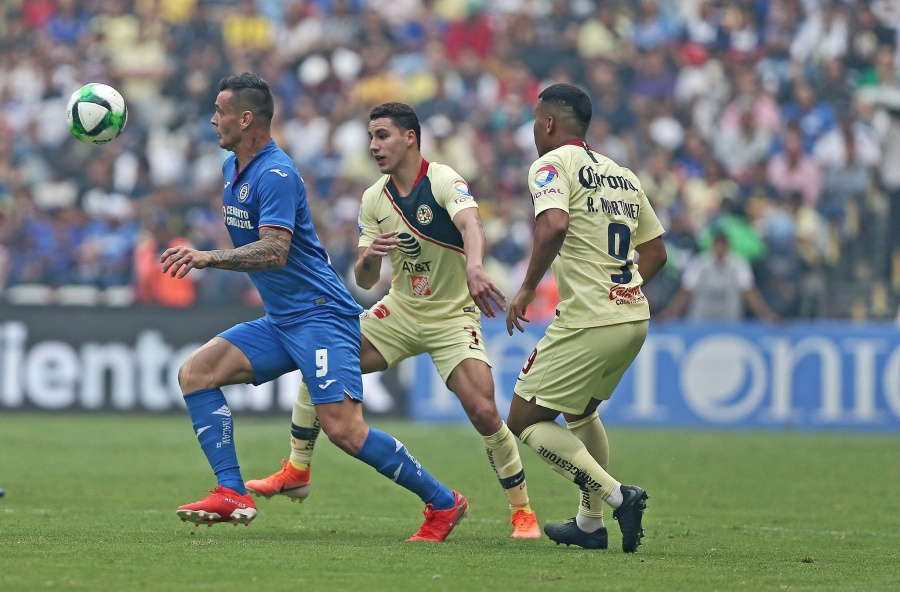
pixel 429 265
pixel 609 214
pixel 269 191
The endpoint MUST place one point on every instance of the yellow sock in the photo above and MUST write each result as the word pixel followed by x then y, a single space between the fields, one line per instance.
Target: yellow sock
pixel 503 455
pixel 304 429
pixel 567 455
pixel 591 432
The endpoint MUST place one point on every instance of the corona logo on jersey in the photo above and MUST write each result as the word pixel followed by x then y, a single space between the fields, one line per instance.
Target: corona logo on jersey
pixel 409 246
pixel 424 215
pixel 591 179
pixel 545 175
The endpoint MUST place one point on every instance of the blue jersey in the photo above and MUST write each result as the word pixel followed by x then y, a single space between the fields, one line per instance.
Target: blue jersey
pixel 270 192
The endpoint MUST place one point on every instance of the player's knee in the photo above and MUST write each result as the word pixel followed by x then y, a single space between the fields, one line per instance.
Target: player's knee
pixel 193 375
pixel 346 435
pixel 516 425
pixel 485 418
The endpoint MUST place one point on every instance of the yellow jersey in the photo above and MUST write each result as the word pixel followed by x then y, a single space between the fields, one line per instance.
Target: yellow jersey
pixel 429 265
pixel 609 214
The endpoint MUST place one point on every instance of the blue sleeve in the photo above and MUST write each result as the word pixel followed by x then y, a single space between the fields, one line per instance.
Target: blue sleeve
pixel 280 196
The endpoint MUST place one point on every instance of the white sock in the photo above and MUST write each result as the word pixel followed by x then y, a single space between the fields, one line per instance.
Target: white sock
pixel 588 523
pixel 616 498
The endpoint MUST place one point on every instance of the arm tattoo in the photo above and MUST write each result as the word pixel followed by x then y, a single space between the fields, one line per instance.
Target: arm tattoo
pixel 269 252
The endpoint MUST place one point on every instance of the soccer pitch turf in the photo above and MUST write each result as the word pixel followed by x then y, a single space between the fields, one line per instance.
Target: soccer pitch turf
pixel 90 505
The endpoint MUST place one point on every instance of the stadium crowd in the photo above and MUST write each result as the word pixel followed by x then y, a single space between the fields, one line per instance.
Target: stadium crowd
pixel 773 122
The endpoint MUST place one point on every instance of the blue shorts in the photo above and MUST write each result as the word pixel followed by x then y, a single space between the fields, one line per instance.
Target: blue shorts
pixel 325 349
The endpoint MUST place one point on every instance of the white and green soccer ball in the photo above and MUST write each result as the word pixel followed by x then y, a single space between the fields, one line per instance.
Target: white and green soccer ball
pixel 96 113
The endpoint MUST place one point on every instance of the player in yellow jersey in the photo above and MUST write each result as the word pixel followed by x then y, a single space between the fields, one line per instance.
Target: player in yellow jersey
pixel 591 218
pixel 422 216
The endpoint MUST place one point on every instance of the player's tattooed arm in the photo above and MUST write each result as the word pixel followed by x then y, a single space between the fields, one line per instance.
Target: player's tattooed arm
pixel 269 252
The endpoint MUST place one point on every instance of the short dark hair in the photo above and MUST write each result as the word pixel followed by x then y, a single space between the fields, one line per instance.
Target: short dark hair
pixel 250 93
pixel 567 96
pixel 401 115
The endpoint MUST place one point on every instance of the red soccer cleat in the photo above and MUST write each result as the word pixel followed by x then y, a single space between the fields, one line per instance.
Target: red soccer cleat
pixel 439 523
pixel 224 505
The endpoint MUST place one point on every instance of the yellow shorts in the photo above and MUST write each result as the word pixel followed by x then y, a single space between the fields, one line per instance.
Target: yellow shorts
pixel 569 367
pixel 398 335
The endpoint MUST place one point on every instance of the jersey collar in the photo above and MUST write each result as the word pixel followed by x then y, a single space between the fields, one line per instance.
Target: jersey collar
pixel 423 170
pixel 270 145
pixel 582 144
pixel 579 143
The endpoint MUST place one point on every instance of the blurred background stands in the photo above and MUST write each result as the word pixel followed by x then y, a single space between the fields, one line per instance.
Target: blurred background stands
pixel 776 122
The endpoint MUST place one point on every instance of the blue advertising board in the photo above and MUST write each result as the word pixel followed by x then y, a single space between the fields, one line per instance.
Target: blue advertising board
pixel 804 376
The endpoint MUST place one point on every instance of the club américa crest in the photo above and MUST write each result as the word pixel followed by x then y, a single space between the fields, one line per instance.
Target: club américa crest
pixel 424 215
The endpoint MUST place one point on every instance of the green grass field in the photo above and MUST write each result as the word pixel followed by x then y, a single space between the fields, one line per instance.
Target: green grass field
pixel 90 506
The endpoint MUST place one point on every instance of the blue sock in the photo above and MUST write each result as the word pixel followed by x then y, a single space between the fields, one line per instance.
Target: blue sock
pixel 215 431
pixel 389 456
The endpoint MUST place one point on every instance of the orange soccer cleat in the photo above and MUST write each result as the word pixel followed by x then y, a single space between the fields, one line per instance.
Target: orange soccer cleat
pixel 525 525
pixel 289 482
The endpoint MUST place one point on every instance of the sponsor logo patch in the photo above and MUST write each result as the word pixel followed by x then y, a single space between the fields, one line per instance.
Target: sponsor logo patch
pixel 380 311
pixel 409 246
pixel 623 295
pixel 420 286
pixel 545 175
pixel 461 187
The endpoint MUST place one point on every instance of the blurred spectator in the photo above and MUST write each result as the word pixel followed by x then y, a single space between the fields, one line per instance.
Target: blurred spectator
pixel 154 288
pixel 705 195
pixel 848 154
pixel 748 94
pixel 741 148
pixel 823 34
pixel 812 116
pixel 244 29
pixel 716 286
pixel 657 179
pixel 474 32
pixel 604 34
pixel 866 37
pixel 792 170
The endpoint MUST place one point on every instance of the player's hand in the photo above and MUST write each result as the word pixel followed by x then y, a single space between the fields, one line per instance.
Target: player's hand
pixel 178 261
pixel 382 245
pixel 518 308
pixel 484 292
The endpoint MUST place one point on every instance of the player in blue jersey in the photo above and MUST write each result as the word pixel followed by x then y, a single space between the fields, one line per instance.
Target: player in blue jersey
pixel 311 321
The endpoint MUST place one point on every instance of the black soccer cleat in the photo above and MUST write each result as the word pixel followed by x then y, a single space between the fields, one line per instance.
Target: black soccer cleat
pixel 569 534
pixel 629 515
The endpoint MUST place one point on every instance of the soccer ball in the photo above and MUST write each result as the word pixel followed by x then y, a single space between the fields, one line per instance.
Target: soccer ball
pixel 96 113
